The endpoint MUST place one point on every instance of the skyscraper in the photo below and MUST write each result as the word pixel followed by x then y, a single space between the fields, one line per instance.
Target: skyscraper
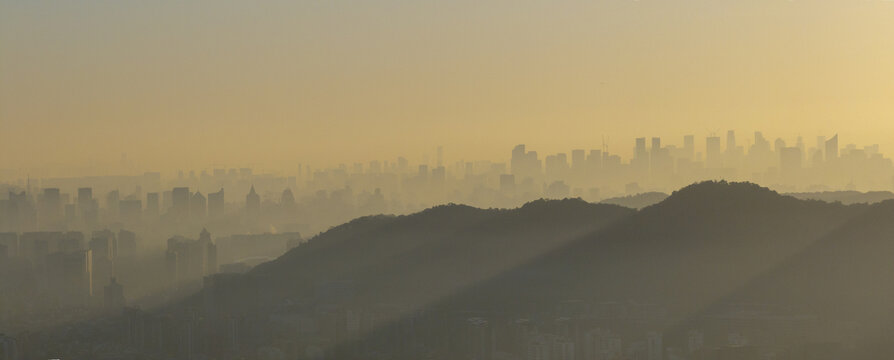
pixel 113 296
pixel 180 202
pixel 712 152
pixel 731 141
pixel 578 161
pixel 112 199
pixel 50 210
pixel 216 204
pixel 832 148
pixel 639 151
pixel 287 199
pixel 689 146
pixel 87 206
pixel 252 201
pixel 198 206
pixel 70 276
pixel 191 259
pixel 131 211
pixel 152 204
pixel 789 159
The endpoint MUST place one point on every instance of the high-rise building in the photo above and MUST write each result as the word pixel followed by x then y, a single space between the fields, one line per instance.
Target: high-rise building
pixel 516 162
pixel 639 151
pixel 640 161
pixel 438 176
pixel 712 152
pixel 113 296
pixel 731 141
pixel 50 210
pixel 104 245
pixel 507 184
pixel 112 201
pixel 216 204
pixel 191 259
pixel 578 160
pixel 287 200
pixel 127 244
pixel 524 164
pixel 556 167
pixel 789 160
pixel 198 206
pixel 594 166
pixel 832 148
pixel 131 211
pixel 85 197
pixel 70 213
pixel 252 201
pixel 88 209
pixel 71 241
pixel 70 277
pixel 689 147
pixel 180 203
pixel 152 204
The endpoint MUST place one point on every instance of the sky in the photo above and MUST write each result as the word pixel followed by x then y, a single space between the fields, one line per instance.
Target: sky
pixel 105 87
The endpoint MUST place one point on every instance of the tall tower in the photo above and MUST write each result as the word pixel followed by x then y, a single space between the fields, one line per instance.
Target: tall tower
pixel 252 201
pixel 832 148
pixel 731 141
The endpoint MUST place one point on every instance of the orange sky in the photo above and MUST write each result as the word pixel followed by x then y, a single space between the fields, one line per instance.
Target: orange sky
pixel 179 85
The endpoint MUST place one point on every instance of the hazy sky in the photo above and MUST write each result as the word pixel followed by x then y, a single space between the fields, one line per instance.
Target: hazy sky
pixel 180 84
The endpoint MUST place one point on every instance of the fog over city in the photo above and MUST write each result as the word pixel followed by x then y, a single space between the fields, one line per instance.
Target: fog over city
pixel 446 180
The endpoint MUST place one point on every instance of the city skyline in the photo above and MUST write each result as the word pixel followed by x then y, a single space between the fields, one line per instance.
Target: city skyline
pixel 447 180
pixel 334 82
pixel 431 154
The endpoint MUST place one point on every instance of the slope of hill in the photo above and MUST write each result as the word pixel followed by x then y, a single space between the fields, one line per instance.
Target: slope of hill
pixel 422 257
pixel 843 279
pixel 701 243
pixel 417 286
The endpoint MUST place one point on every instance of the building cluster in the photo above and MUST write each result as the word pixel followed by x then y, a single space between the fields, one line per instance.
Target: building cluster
pixel 52 277
pixel 238 201
pixel 66 269
pixel 190 260
pixel 655 166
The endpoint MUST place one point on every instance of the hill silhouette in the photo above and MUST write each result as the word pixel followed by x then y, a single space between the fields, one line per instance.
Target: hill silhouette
pixel 701 243
pixel 704 250
pixel 422 257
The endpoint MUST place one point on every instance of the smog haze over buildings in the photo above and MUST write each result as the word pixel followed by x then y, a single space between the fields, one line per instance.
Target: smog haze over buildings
pixel 498 180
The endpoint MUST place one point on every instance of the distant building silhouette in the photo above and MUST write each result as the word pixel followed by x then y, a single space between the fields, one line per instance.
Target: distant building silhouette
pixel 252 201
pixel 190 259
pixel 216 204
pixel 197 206
pixel 180 198
pixel 152 205
pixel 70 277
pixel 712 152
pixel 287 200
pixel 113 296
pixel 832 149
